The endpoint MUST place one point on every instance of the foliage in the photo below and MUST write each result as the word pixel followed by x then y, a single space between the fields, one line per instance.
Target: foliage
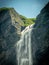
pixel 27 21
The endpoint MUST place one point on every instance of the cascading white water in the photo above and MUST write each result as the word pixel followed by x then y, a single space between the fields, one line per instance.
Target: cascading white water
pixel 24 56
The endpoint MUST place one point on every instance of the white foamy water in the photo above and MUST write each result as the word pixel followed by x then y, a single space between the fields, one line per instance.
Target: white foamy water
pixel 24 56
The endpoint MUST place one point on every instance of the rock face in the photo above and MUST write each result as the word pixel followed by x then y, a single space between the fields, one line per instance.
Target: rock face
pixel 40 38
pixel 10 29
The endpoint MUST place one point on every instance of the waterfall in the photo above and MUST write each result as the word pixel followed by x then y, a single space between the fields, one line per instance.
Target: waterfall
pixel 24 56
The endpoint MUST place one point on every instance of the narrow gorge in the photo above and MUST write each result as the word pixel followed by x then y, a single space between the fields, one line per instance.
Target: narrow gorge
pixel 21 45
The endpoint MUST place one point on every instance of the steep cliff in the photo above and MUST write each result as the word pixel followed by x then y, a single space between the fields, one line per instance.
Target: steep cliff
pixel 10 29
pixel 40 38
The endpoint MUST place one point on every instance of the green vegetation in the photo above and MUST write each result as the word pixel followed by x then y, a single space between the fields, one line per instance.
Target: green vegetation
pixel 32 19
pixel 4 9
pixel 27 21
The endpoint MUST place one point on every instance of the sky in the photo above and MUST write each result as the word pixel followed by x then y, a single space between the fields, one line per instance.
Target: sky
pixel 28 8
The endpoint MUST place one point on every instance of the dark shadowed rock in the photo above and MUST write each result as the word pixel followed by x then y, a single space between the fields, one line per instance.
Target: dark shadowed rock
pixel 40 38
pixel 10 29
